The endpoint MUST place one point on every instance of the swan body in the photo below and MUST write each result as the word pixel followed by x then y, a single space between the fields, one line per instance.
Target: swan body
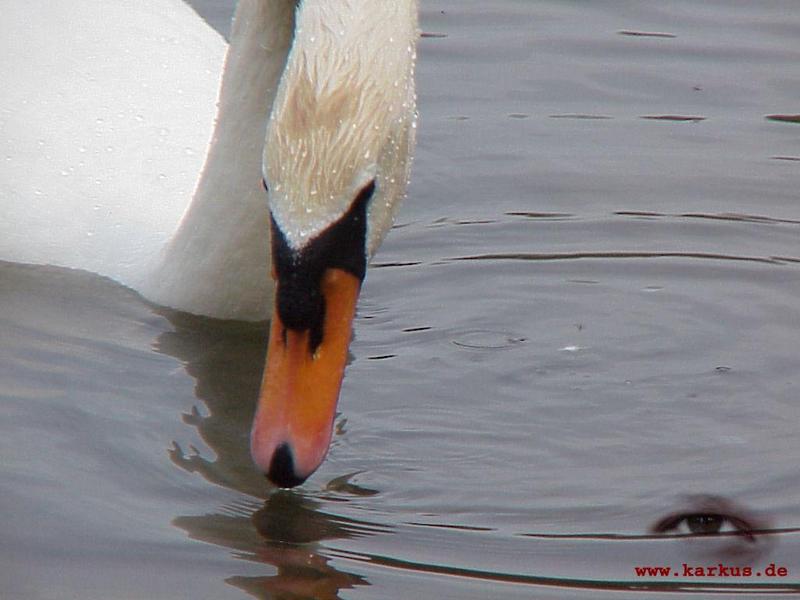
pixel 106 113
pixel 114 163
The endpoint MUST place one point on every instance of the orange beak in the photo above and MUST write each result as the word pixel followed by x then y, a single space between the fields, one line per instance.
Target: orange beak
pixel 297 403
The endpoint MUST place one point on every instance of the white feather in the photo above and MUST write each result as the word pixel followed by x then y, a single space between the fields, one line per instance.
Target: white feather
pixel 110 163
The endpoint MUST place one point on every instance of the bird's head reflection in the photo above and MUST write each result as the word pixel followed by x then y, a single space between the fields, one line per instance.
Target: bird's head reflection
pixel 286 532
pixel 289 518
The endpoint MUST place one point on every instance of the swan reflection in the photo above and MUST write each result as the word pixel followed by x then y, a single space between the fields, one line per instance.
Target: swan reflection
pixel 224 359
pixel 284 533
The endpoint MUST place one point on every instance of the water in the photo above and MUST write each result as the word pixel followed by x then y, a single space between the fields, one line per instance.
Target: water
pixel 576 323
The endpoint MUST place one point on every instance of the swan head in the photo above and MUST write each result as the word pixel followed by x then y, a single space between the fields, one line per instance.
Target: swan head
pixel 336 160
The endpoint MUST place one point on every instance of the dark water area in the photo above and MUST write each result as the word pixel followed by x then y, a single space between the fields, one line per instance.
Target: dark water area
pixel 585 322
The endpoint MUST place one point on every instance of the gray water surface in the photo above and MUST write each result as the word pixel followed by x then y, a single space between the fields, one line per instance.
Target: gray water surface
pixel 589 309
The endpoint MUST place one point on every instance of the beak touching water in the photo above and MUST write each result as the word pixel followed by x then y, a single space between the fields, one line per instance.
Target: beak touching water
pixel 297 404
pixel 316 292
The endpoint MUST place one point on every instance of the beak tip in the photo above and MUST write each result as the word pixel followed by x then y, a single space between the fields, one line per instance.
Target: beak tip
pixel 282 470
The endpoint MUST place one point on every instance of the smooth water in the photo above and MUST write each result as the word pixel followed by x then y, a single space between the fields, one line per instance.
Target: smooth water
pixel 583 316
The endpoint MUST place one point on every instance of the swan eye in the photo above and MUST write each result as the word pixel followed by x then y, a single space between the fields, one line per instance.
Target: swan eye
pixel 366 192
pixel 264 183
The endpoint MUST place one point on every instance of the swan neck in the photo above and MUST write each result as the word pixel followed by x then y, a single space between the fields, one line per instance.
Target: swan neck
pixel 217 263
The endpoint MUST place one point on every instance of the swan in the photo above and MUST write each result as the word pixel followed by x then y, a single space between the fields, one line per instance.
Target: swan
pixel 247 181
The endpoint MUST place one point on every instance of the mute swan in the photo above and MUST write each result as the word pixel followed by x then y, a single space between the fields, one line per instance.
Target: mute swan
pixel 311 150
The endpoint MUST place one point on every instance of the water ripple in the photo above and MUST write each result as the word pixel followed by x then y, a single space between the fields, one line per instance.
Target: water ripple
pixel 549 256
pixel 568 583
